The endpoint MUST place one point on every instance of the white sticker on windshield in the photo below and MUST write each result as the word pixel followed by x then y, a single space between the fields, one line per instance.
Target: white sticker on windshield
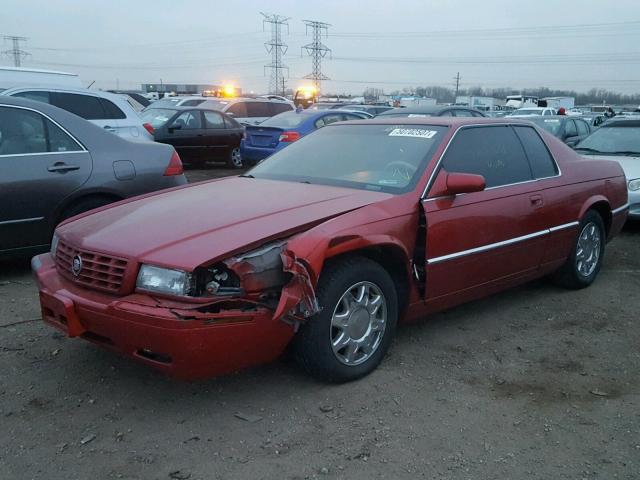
pixel 412 132
pixel 551 120
pixel 414 115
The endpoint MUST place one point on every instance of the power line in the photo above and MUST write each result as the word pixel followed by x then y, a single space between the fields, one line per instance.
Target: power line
pixel 316 50
pixel 16 52
pixel 277 49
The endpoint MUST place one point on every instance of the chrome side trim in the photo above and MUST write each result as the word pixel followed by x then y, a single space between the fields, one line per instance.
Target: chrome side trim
pixel 473 125
pixel 619 209
pixel 563 226
pixel 84 149
pixel 22 220
pixel 40 153
pixel 484 248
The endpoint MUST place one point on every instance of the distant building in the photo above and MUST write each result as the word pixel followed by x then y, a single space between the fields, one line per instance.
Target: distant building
pixel 184 88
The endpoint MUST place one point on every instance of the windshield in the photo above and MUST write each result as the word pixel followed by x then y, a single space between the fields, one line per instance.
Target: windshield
pixel 285 120
pixel 388 158
pixel 156 117
pixel 551 125
pixel 612 140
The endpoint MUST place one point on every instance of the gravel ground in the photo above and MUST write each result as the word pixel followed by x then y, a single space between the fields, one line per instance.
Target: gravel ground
pixel 537 382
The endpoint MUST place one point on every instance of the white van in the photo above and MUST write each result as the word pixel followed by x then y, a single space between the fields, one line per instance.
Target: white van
pixel 14 77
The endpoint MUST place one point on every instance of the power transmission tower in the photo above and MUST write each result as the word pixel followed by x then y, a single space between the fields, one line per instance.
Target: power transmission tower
pixel 16 52
pixel 457 79
pixel 277 49
pixel 317 50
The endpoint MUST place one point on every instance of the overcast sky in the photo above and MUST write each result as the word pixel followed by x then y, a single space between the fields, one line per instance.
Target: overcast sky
pixel 577 44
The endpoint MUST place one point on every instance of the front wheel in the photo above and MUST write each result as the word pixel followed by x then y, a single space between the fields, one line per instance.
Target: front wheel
pixel 235 158
pixel 351 334
pixel 584 263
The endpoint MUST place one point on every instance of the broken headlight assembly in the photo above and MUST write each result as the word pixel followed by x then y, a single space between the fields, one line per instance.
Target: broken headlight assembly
pixel 257 271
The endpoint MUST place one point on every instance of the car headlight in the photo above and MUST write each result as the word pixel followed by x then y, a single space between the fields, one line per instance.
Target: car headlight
pixel 634 184
pixel 54 245
pixel 164 280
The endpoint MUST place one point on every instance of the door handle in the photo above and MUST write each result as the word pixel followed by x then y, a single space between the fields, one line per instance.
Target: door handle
pixel 536 200
pixel 109 128
pixel 62 167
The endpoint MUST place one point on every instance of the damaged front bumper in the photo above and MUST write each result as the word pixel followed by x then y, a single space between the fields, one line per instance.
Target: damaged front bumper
pixel 185 340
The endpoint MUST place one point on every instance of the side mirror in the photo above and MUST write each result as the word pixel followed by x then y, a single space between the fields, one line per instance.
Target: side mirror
pixel 174 126
pixel 464 183
pixel 231 114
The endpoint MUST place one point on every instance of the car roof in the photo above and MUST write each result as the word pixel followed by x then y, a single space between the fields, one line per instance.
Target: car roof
pixel 55 88
pixel 621 122
pixel 436 121
pixel 426 109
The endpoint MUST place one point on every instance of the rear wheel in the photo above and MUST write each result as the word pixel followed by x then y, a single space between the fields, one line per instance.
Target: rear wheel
pixel 235 158
pixel 584 263
pixel 351 334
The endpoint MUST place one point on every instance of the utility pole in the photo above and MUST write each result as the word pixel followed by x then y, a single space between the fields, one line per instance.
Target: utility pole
pixel 457 79
pixel 16 52
pixel 277 49
pixel 316 50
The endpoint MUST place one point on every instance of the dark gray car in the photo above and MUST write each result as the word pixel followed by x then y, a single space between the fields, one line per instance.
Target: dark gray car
pixel 54 164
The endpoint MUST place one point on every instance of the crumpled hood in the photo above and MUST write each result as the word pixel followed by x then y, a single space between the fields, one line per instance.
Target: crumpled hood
pixel 630 165
pixel 208 221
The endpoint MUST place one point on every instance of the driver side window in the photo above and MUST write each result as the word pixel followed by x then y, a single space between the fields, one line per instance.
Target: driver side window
pixel 493 152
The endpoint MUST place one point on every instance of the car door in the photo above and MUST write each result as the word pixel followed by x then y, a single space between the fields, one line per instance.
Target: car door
pixel 40 165
pixel 583 128
pixel 238 111
pixel 570 134
pixel 477 239
pixel 186 133
pixel 217 136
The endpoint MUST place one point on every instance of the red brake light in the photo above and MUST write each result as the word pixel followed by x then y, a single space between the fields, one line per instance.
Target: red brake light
pixel 289 137
pixel 175 166
pixel 149 128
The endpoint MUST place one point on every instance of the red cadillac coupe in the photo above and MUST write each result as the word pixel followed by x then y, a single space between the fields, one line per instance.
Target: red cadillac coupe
pixel 325 246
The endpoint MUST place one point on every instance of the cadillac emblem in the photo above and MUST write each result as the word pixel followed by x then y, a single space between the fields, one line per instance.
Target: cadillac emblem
pixel 76 265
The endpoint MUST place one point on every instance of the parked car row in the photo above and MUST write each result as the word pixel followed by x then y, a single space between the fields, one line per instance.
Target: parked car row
pixel 330 243
pixel 54 165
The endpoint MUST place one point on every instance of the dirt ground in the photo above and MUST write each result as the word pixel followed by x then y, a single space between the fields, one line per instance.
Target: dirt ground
pixel 537 382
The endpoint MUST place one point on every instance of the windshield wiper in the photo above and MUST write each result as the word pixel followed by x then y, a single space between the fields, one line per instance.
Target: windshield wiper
pixel 246 175
pixel 587 149
pixel 624 152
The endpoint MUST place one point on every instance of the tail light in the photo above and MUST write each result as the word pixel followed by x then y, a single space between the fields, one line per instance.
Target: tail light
pixel 175 166
pixel 289 137
pixel 149 128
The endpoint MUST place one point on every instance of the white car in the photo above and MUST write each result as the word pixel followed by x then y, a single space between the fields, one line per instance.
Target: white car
pixel 618 140
pixel 527 111
pixel 107 110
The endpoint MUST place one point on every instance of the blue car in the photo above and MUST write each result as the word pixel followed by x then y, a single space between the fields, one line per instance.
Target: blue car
pixel 277 132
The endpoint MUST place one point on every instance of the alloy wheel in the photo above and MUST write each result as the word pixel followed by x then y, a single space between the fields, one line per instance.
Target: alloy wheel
pixel 358 323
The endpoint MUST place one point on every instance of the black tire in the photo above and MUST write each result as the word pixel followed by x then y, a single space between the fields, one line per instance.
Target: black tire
pixel 234 159
pixel 312 344
pixel 569 275
pixel 84 205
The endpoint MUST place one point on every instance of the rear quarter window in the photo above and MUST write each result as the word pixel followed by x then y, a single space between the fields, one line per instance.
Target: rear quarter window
pixel 111 110
pixel 537 152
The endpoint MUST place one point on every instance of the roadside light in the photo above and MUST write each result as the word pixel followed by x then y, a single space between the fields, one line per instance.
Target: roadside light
pixel 229 91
